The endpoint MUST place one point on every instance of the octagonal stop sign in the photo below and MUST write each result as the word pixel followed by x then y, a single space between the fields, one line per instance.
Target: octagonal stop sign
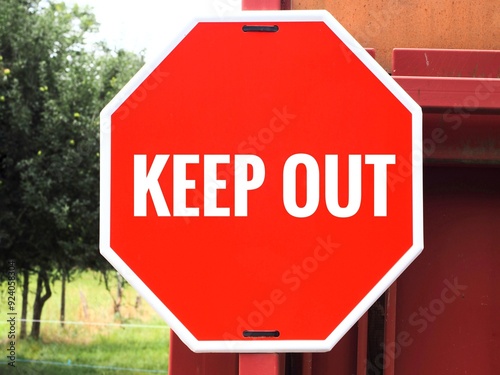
pixel 261 182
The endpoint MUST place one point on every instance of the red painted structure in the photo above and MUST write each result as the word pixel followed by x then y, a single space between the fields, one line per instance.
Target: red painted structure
pixel 443 316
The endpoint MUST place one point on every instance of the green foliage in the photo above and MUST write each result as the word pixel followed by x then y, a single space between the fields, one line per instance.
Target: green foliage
pixel 52 88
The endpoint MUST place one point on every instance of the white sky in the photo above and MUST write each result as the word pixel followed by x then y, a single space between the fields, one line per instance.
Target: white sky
pixel 149 24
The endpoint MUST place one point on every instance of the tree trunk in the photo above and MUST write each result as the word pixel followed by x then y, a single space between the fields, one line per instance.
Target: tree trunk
pixel 119 295
pixel 84 304
pixel 24 307
pixel 42 282
pixel 62 316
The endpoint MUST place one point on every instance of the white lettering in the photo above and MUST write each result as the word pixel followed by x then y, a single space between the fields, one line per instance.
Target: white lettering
pixel 249 175
pixel 380 163
pixel 212 184
pixel 242 185
pixel 290 185
pixel 332 186
pixel 148 181
pixel 182 184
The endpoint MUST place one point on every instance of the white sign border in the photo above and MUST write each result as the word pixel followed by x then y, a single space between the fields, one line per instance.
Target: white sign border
pixel 260 346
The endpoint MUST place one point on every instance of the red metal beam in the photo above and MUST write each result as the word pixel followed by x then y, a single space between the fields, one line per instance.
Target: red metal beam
pixel 444 79
pixel 446 63
pixel 459 92
pixel 438 93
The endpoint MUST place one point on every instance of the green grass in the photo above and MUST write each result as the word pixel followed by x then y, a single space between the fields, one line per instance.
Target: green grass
pixel 90 349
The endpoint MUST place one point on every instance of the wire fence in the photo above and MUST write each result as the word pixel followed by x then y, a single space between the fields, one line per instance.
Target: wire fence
pixel 124 325
pixel 72 365
pixel 95 367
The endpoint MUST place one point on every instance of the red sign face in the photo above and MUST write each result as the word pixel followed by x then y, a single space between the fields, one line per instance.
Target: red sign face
pixel 261 183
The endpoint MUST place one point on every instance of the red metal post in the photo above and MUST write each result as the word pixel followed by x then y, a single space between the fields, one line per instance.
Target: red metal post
pixel 362 345
pixel 390 330
pixel 183 361
pixel 307 359
pixel 259 364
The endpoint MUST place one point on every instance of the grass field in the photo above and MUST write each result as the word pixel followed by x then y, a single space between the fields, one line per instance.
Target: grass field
pixel 104 343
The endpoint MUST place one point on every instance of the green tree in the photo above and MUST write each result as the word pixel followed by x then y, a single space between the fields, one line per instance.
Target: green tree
pixel 52 88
